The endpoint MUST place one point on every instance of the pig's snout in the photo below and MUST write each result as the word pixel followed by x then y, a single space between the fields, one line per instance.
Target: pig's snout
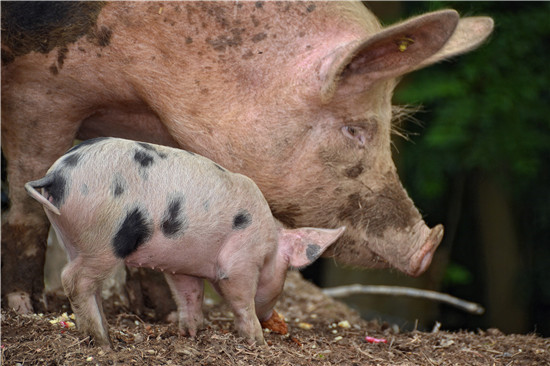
pixel 421 260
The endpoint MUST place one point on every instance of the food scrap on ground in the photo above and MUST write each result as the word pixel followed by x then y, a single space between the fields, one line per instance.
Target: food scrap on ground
pixel 306 326
pixel 375 340
pixel 64 320
pixel 276 324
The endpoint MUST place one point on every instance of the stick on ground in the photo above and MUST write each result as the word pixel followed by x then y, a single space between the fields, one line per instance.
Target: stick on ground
pixel 343 291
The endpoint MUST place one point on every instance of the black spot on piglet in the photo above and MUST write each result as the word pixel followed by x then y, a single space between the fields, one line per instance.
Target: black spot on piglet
pixel 135 229
pixel 151 148
pixel 71 160
pixel 55 187
pixel 118 185
pixel 242 220
pixel 146 146
pixel 174 221
pixel 312 252
pixel 143 158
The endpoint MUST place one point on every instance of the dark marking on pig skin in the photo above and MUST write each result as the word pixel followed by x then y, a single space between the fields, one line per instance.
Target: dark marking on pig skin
pixel 146 146
pixel 41 26
pixel 222 42
pixel 259 37
pixel 259 4
pixel 135 229
pixel 61 54
pixel 84 189
pixel 354 171
pixel 71 160
pixel 255 21
pixel 248 55
pixel 387 208
pixel 151 148
pixel 242 220
pixel 86 143
pixel 174 221
pixel 311 8
pixel 312 252
pixel 53 69
pixel 56 188
pixel 143 158
pixel 118 186
pixel 102 36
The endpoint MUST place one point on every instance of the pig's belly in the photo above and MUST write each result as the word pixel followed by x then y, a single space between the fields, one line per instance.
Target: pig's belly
pixel 186 257
pixel 134 122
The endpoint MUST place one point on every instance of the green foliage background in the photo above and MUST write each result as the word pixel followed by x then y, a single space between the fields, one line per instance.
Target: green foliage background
pixel 487 113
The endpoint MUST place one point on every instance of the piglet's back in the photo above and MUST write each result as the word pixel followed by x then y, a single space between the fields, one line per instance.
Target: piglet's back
pixel 166 190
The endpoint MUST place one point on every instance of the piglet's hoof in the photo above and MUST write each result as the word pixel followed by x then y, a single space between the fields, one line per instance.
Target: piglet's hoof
pixel 276 324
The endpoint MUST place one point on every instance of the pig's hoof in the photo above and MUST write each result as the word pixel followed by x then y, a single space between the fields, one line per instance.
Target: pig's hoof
pixel 107 347
pixel 20 302
pixel 256 342
pixel 189 332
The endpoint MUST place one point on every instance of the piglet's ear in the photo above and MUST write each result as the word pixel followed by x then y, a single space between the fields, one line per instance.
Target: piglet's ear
pixel 391 52
pixel 304 245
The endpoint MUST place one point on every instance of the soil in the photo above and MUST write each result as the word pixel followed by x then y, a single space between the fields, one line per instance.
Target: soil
pixel 321 331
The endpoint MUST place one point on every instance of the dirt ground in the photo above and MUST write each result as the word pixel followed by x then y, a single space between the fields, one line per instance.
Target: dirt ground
pixel 34 340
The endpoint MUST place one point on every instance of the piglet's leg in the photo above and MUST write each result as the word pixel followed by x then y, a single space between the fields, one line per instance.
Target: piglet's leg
pixel 239 291
pixel 188 292
pixel 82 280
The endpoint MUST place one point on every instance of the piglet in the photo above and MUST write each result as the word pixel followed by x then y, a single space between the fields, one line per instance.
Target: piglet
pixel 114 201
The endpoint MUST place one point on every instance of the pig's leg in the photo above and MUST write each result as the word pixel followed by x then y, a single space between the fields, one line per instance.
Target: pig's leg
pixel 238 288
pixel 82 279
pixel 37 128
pixel 188 293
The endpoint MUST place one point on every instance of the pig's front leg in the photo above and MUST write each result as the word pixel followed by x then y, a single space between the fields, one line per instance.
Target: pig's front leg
pixel 188 293
pixel 239 289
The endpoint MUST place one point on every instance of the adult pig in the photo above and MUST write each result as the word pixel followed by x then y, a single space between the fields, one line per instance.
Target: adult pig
pixel 297 96
pixel 113 200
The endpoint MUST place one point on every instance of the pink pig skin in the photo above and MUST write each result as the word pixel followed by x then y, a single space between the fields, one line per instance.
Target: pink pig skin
pixel 114 201
pixel 296 95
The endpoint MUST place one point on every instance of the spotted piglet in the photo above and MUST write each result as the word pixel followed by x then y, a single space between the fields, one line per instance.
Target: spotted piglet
pixel 113 200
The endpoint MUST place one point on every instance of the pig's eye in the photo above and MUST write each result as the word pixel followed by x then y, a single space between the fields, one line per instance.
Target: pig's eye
pixel 354 133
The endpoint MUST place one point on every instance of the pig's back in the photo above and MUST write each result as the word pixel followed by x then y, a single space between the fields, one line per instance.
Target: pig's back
pixel 112 185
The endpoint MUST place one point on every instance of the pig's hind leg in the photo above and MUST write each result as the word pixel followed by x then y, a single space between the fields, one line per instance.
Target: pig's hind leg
pixel 82 280
pixel 188 292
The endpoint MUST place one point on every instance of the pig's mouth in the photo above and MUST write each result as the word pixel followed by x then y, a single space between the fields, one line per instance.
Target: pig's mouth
pixel 420 261
pixel 410 251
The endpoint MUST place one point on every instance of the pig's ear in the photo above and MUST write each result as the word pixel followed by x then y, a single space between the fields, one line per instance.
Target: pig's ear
pixel 399 49
pixel 304 245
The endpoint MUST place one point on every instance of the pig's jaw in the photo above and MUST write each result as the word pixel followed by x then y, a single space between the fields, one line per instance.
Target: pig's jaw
pixel 410 251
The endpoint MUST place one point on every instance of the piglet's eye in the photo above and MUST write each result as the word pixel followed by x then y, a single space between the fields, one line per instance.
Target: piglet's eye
pixel 355 133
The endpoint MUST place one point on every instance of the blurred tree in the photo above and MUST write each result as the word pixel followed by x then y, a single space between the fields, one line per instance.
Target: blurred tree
pixel 481 164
